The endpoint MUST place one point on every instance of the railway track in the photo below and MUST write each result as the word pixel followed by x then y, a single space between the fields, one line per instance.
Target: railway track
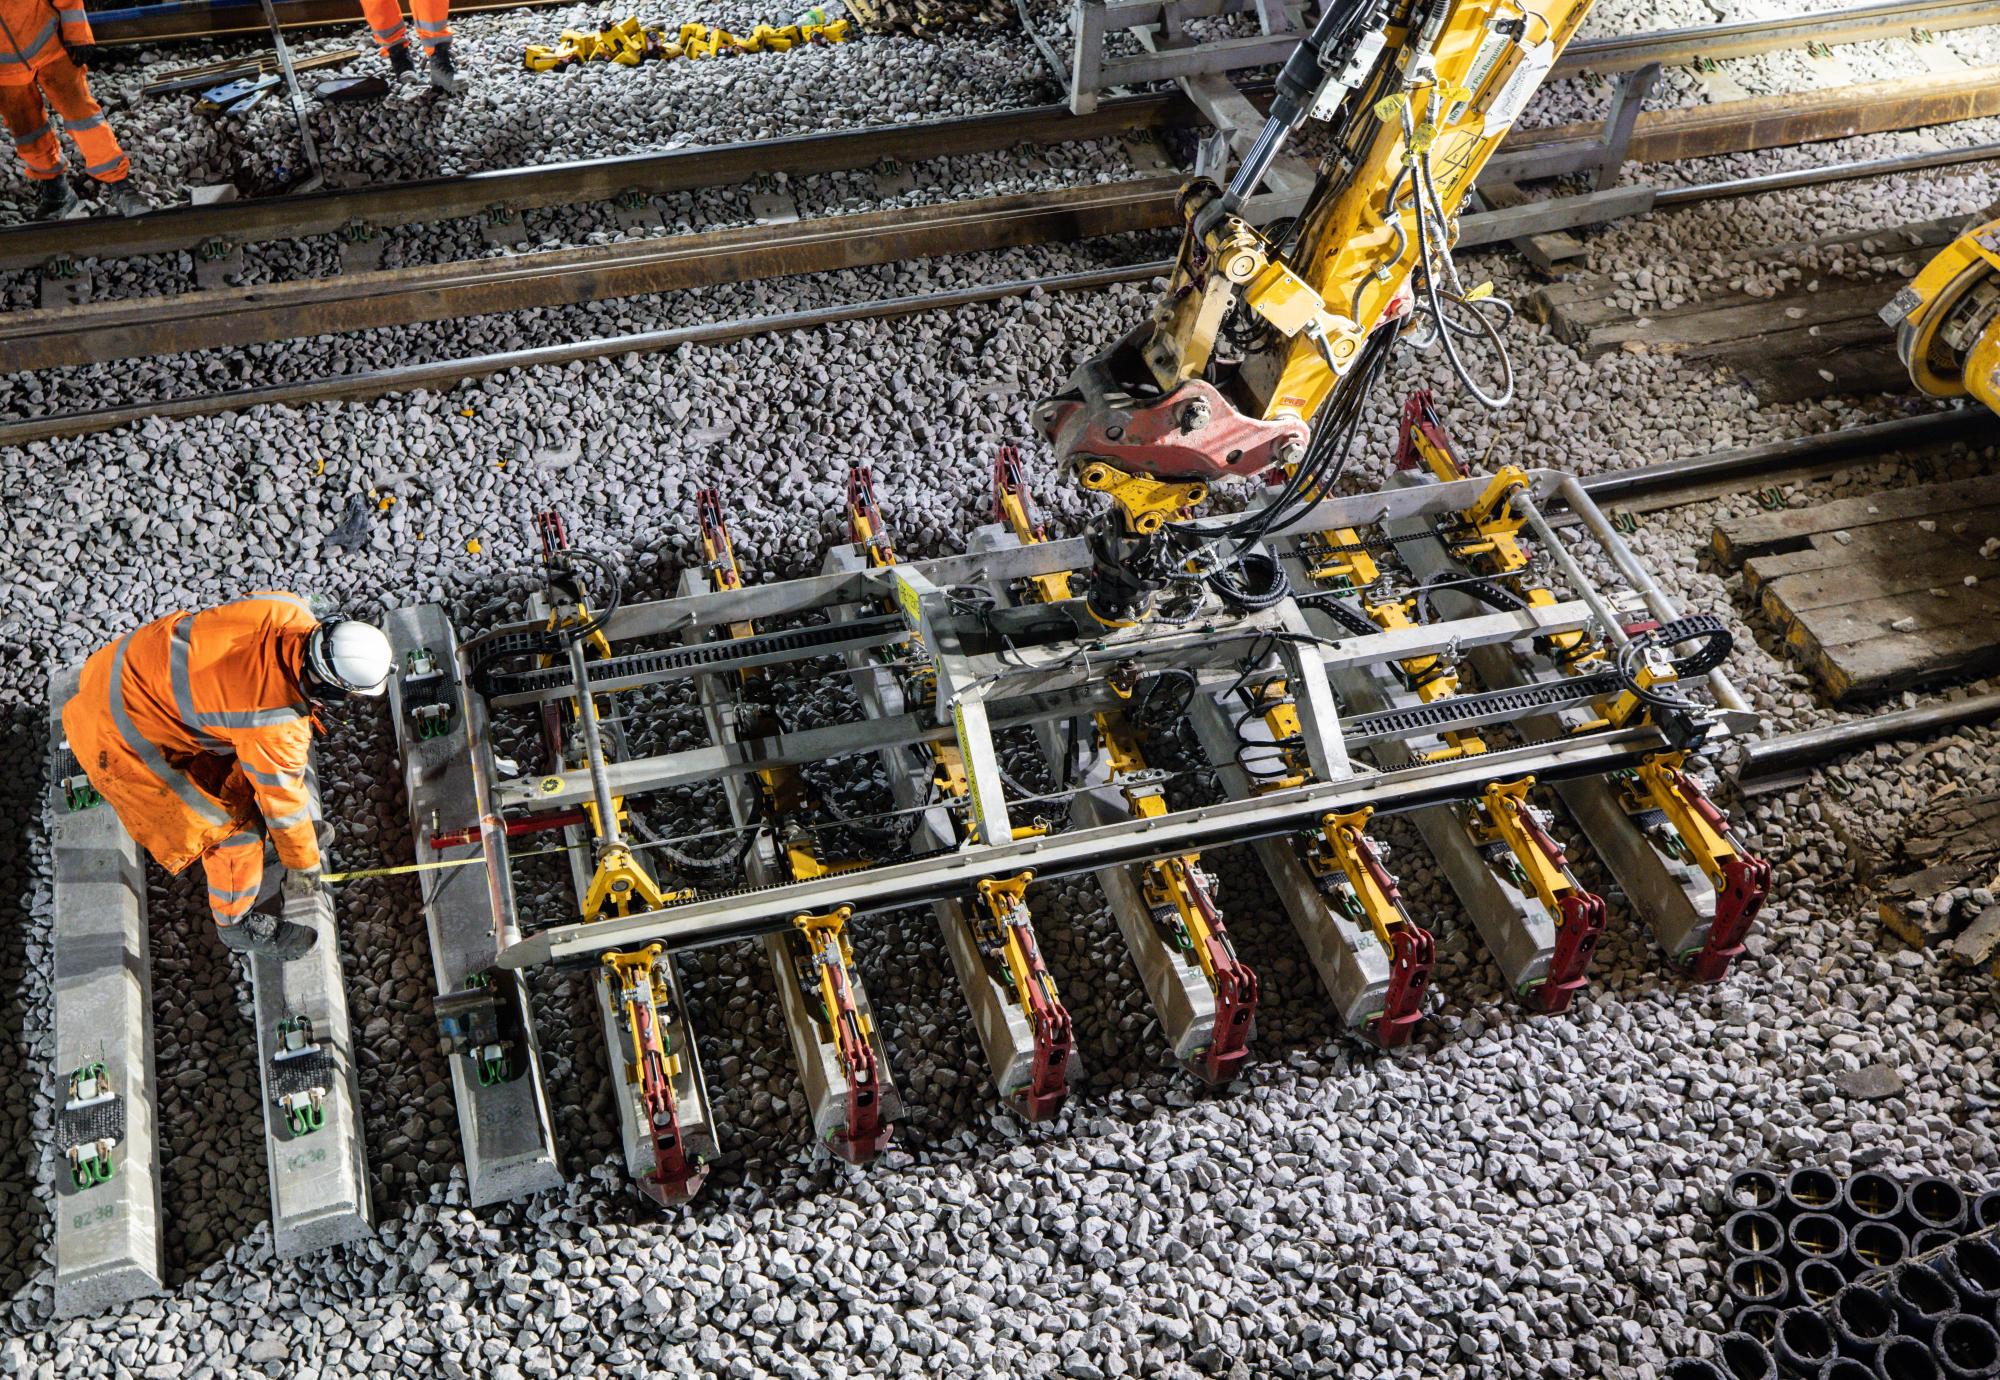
pixel 134 321
pixel 1716 42
pixel 1659 136
pixel 234 317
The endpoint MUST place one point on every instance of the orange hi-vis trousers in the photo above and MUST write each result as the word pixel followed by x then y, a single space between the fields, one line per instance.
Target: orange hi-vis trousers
pixel 61 84
pixel 385 20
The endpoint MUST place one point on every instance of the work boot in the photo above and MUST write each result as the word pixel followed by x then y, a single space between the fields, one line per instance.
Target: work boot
pixel 54 199
pixel 444 72
pixel 401 61
pixel 125 199
pixel 263 935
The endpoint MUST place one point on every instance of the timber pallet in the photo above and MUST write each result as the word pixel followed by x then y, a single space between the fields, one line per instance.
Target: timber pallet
pixel 1955 844
pixel 1879 593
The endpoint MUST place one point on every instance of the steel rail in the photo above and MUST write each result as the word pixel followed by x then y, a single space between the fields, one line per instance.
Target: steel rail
pixel 1771 764
pixel 731 916
pixel 1869 441
pixel 445 373
pixel 233 317
pixel 1761 122
pixel 1748 38
pixel 181 228
pixel 584 181
pixel 222 318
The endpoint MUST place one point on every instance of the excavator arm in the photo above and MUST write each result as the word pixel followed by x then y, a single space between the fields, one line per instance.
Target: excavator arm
pixel 1263 346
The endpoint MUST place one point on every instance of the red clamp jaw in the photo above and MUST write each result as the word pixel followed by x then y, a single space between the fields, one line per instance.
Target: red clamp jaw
pixel 1411 957
pixel 866 1135
pixel 1746 882
pixel 1581 925
pixel 675 1178
pixel 1048 1082
pixel 1235 986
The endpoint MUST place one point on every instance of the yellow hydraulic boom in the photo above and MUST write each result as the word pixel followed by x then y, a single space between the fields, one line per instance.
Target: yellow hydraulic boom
pixel 1262 348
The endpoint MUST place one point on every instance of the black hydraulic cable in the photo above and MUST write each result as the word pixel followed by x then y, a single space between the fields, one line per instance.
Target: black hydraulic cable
pixel 1716 642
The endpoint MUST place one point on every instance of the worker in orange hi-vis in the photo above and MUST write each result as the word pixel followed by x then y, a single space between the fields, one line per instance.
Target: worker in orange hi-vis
pixel 198 730
pixel 385 19
pixel 45 48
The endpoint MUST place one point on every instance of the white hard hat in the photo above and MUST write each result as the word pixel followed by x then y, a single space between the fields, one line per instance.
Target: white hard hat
pixel 349 657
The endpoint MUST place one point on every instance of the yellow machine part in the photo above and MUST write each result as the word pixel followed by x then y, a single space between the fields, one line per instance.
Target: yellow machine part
pixel 1957 293
pixel 632 971
pixel 826 937
pixel 1360 251
pixel 1711 850
pixel 1339 850
pixel 1505 804
pixel 1146 502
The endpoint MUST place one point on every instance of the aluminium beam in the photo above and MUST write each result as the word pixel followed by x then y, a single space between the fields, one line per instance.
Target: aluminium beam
pixel 727 918
pixel 107 1236
pixel 505 1126
pixel 703 608
pixel 319 1177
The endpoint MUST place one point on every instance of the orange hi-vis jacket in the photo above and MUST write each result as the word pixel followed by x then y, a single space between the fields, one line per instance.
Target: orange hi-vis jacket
pixel 32 34
pixel 194 727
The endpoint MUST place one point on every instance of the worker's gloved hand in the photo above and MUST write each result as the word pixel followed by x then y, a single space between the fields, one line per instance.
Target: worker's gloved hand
pixel 303 882
pixel 82 54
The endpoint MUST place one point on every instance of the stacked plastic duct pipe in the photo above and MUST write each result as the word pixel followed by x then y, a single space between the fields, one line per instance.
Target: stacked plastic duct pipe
pixel 1862 1276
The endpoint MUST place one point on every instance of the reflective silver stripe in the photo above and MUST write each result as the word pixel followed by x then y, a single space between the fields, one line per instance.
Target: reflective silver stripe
pixel 96 169
pixel 287 821
pixel 226 897
pixel 240 840
pixel 253 718
pixel 33 49
pixel 312 790
pixel 148 753
pixel 22 141
pixel 389 35
pixel 278 780
pixel 179 647
pixel 79 126
pixel 426 32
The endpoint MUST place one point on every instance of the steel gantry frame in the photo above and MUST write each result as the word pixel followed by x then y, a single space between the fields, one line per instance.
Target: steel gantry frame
pixel 1439 652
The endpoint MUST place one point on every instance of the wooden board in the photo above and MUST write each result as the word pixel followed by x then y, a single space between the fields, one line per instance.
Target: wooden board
pixel 1867 598
pixel 1954 843
pixel 1799 344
